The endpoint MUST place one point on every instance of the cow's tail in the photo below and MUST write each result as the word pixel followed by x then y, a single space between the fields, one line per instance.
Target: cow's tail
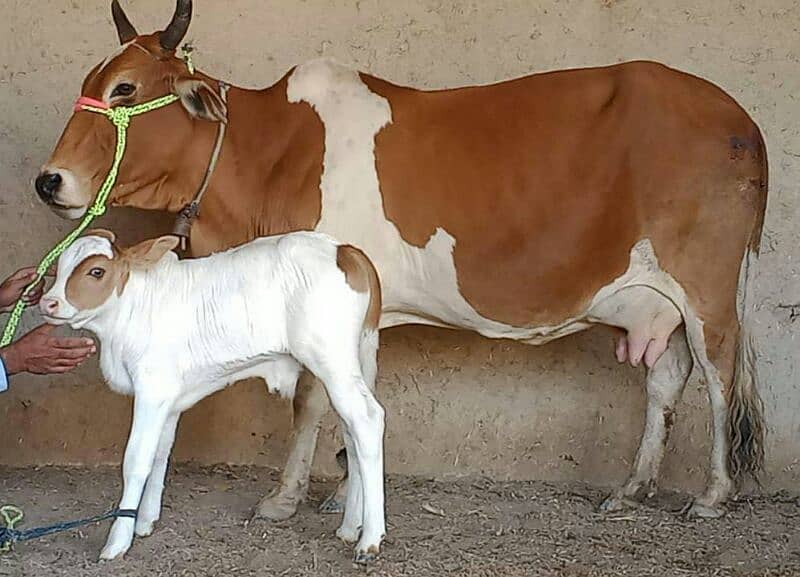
pixel 746 425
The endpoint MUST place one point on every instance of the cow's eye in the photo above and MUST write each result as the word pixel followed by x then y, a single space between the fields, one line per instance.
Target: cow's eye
pixel 123 89
pixel 97 272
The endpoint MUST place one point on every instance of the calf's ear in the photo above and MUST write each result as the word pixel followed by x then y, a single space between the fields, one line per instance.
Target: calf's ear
pixel 103 233
pixel 147 253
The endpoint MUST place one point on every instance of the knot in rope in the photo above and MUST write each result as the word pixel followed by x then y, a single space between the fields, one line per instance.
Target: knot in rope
pixel 8 535
pixel 120 116
pixel 97 210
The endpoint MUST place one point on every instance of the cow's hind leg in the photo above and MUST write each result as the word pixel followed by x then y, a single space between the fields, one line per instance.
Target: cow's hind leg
pixel 334 503
pixel 665 383
pixel 310 406
pixel 715 347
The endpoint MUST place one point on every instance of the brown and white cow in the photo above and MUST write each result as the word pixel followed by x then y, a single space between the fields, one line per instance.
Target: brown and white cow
pixel 628 195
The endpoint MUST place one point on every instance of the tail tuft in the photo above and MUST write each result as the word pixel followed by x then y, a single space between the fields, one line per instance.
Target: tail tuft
pixel 746 426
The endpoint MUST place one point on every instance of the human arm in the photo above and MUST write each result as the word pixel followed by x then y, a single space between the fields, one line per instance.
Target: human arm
pixel 41 353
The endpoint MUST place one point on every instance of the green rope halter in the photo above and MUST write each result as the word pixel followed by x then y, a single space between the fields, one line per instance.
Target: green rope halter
pixel 120 116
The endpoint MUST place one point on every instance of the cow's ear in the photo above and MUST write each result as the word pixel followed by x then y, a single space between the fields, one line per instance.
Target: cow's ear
pixel 147 253
pixel 200 100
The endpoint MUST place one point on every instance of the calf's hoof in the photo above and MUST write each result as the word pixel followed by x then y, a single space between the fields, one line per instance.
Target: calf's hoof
pixel 120 539
pixel 144 528
pixel 276 508
pixel 111 552
pixel 332 505
pixel 348 534
pixel 365 556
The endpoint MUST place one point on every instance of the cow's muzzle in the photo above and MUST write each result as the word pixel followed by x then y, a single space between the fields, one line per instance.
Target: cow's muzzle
pixel 47 186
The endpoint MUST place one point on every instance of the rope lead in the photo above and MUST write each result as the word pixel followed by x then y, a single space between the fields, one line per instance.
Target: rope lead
pixel 120 116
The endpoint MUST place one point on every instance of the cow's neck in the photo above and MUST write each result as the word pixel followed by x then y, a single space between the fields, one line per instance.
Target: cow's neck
pixel 268 174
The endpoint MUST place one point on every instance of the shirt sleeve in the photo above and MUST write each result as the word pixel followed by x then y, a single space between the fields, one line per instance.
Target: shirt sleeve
pixel 3 377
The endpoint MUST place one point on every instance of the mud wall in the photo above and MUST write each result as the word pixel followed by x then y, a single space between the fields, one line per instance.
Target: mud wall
pixel 457 403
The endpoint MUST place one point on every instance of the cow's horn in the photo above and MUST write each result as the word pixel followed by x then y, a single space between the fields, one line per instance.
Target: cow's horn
pixel 125 29
pixel 174 33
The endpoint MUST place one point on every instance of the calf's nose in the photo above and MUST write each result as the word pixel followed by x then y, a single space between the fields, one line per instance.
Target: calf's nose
pixel 47 185
pixel 48 306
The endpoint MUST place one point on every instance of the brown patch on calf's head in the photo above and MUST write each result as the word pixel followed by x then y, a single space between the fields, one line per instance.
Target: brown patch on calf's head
pixel 360 274
pixel 94 280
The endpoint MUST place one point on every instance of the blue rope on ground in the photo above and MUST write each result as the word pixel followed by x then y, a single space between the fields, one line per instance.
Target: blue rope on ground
pixel 13 515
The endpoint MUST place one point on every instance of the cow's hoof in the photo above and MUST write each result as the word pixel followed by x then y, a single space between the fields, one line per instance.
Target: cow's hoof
pixel 615 504
pixel 276 508
pixel 367 556
pixel 331 506
pixel 699 511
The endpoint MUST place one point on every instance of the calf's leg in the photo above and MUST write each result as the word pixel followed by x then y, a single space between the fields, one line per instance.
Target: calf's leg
pixel 363 418
pixel 150 506
pixel 149 418
pixel 368 354
pixel 353 519
pixel 364 424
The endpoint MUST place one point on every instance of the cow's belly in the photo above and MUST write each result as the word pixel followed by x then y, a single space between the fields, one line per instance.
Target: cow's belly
pixel 420 285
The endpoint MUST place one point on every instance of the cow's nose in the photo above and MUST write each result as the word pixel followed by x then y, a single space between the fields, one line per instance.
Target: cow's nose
pixel 47 185
pixel 48 306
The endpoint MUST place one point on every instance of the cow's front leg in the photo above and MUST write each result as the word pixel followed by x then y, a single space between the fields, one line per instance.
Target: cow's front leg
pixel 150 506
pixel 149 418
pixel 310 406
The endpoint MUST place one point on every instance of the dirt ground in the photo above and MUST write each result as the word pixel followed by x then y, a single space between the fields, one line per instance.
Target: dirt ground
pixel 472 527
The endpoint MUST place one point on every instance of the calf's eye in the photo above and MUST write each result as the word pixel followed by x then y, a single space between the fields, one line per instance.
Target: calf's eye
pixel 97 272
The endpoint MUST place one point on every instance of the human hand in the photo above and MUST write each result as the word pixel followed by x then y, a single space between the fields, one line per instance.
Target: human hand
pixel 11 289
pixel 40 353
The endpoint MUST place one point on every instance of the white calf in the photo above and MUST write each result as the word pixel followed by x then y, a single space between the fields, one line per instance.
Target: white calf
pixel 173 332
